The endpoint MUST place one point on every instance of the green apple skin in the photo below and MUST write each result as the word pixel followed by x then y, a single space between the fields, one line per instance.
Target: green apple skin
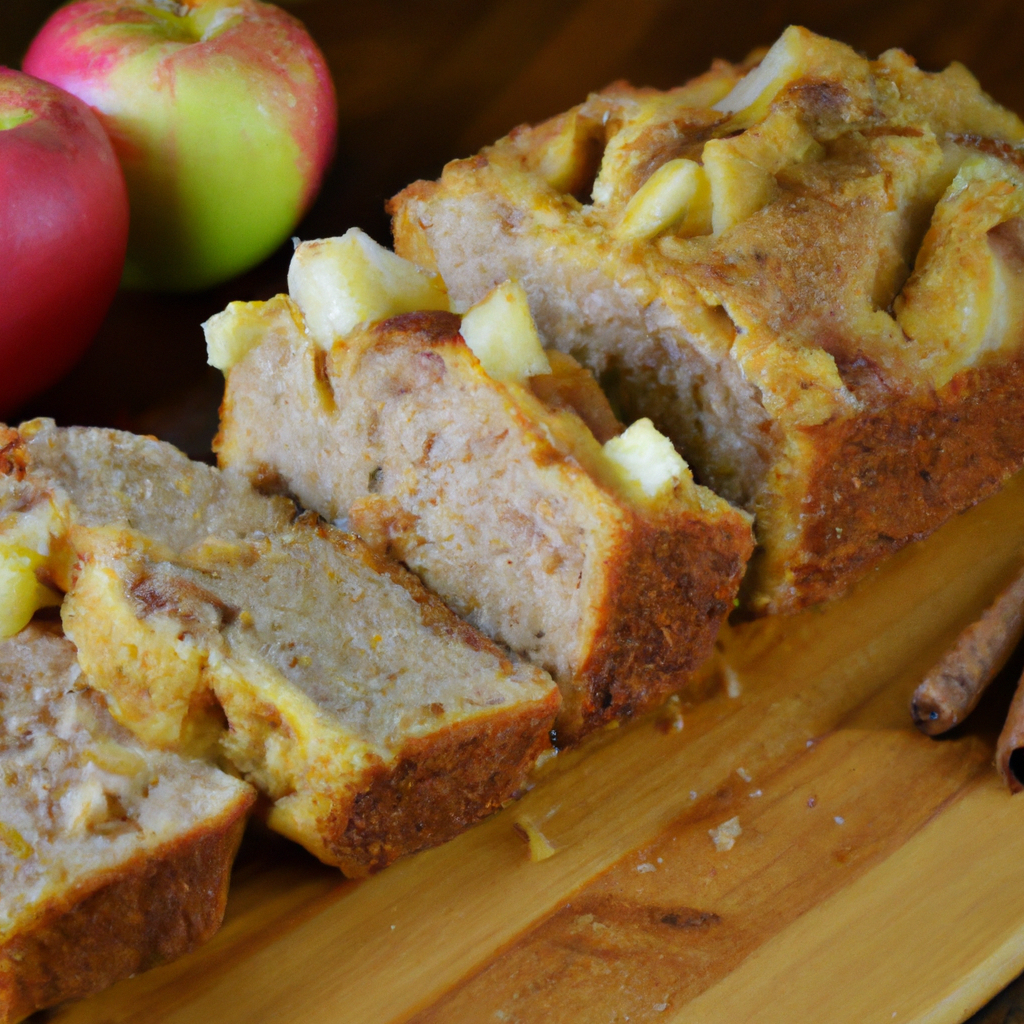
pixel 222 114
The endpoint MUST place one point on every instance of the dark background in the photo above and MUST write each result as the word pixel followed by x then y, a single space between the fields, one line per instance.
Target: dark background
pixel 422 83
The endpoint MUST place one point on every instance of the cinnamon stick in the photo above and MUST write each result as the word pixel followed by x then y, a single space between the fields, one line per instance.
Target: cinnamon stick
pixel 950 691
pixel 1010 748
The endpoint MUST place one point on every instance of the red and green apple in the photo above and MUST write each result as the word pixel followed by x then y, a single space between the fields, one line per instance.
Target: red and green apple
pixel 63 232
pixel 222 113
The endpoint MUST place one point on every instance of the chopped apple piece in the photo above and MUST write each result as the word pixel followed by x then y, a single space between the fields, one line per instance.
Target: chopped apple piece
pixel 21 593
pixel 741 170
pixel 85 804
pixel 571 157
pixel 31 528
pixel 642 455
pixel 25 547
pixel 114 758
pixel 242 326
pixel 230 334
pixel 677 192
pixel 738 186
pixel 966 294
pixel 501 332
pixel 752 95
pixel 341 282
pixel 776 142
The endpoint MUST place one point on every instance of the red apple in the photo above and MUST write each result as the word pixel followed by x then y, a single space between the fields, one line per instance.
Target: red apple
pixel 222 113
pixel 63 231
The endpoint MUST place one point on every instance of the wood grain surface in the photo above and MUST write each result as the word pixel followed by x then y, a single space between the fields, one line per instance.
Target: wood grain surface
pixel 878 875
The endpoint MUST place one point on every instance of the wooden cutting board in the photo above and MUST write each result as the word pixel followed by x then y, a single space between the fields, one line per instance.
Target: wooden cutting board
pixel 879 875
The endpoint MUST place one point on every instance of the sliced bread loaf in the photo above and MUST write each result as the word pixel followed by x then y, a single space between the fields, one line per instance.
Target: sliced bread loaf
pixel 605 564
pixel 374 720
pixel 808 274
pixel 114 856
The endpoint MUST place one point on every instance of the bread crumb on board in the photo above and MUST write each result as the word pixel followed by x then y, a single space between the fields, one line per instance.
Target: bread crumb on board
pixel 724 837
pixel 733 686
pixel 539 846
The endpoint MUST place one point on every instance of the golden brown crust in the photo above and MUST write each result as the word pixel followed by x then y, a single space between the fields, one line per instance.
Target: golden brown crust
pixel 154 909
pixel 437 787
pixel 432 327
pixel 896 474
pixel 661 625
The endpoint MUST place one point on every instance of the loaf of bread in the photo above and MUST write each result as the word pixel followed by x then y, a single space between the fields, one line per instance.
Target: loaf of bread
pixel 808 271
pixel 373 719
pixel 496 492
pixel 114 856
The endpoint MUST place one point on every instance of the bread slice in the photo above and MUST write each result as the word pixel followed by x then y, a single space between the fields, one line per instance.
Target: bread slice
pixel 114 857
pixel 372 718
pixel 496 492
pixel 809 275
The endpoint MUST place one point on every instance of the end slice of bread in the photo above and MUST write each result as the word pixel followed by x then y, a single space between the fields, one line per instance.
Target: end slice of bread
pixel 114 856
pixel 374 720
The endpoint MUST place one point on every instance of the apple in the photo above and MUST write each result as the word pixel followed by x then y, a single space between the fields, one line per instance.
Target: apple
pixel 63 232
pixel 501 333
pixel 341 282
pixel 645 457
pixel 222 113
